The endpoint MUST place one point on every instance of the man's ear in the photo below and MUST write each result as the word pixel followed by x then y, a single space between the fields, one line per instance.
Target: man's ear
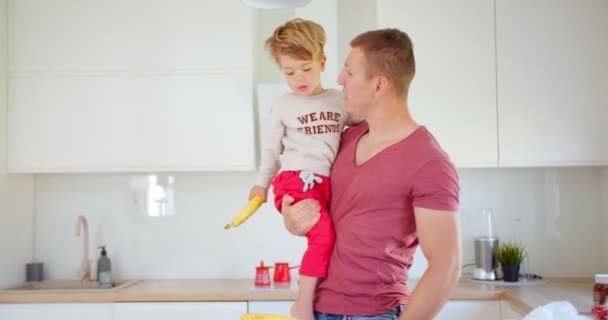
pixel 323 61
pixel 382 85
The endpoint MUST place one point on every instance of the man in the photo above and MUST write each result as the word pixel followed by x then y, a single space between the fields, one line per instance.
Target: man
pixel 393 187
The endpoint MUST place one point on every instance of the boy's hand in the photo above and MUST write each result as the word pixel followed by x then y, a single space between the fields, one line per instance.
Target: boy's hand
pixel 258 191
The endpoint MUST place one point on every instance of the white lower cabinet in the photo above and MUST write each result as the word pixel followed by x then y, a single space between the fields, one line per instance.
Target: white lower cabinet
pixel 57 311
pixel 470 310
pixel 280 308
pixel 179 310
pixel 509 312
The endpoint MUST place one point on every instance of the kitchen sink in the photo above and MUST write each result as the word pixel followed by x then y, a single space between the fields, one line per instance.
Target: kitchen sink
pixel 71 285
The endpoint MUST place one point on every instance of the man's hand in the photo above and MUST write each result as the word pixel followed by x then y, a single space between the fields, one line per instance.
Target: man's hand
pixel 258 191
pixel 299 218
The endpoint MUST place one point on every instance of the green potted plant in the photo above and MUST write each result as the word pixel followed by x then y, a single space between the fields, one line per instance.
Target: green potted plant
pixel 510 255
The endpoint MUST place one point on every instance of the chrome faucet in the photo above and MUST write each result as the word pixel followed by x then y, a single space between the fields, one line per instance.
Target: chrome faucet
pixel 85 266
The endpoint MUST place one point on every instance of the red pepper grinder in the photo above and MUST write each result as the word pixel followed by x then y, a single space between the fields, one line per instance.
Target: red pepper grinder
pixel 262 275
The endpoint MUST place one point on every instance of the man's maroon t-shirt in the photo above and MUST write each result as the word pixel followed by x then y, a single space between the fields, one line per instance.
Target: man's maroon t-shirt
pixel 372 209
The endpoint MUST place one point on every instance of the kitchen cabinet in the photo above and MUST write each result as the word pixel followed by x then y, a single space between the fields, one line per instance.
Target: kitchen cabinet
pixel 135 86
pixel 509 312
pixel 179 310
pixel 518 84
pixel 454 90
pixel 57 311
pixel 470 310
pixel 552 97
pixel 280 308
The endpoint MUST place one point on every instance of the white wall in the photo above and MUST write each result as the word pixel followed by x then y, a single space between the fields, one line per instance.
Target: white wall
pixel 604 242
pixel 16 197
pixel 354 17
pixel 555 212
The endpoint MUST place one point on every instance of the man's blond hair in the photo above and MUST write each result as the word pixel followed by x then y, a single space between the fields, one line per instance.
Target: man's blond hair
pixel 388 52
pixel 299 39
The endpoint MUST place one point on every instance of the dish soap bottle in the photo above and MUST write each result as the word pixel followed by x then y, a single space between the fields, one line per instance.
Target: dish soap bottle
pixel 104 270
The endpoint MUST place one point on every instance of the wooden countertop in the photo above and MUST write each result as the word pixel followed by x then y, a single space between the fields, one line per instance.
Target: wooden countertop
pixel 203 290
pixel 527 297
pixel 523 298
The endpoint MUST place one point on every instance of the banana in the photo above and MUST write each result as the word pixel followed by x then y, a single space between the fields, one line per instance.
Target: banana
pixel 262 316
pixel 251 207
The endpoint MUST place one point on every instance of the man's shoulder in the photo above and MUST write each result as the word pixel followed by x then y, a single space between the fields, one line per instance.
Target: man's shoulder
pixel 426 150
pixel 435 181
pixel 426 143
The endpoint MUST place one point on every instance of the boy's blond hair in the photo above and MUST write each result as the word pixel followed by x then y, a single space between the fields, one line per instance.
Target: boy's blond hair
pixel 297 38
pixel 388 52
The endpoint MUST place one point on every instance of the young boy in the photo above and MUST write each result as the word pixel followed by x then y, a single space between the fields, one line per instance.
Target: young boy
pixel 302 143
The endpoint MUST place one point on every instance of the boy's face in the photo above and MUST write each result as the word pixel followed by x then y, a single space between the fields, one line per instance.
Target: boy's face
pixel 358 89
pixel 303 76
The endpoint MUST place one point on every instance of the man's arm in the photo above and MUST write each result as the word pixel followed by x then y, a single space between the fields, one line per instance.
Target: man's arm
pixel 439 238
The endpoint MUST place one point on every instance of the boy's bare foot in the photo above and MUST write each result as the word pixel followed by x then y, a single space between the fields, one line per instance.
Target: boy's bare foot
pixel 302 312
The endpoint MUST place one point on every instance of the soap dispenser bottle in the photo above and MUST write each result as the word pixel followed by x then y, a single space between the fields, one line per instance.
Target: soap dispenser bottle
pixel 104 270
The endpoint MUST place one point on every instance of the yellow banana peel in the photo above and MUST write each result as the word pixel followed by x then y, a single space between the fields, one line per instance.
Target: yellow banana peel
pixel 249 209
pixel 263 316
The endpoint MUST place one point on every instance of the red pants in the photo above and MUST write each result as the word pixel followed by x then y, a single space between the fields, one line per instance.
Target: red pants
pixel 304 185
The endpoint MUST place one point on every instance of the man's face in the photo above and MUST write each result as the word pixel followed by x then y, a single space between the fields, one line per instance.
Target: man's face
pixel 302 76
pixel 357 88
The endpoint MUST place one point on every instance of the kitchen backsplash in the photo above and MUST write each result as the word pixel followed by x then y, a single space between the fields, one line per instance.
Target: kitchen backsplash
pixel 558 213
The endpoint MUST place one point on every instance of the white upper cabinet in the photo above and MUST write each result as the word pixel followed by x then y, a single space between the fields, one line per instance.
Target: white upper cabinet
pixel 552 82
pixel 161 85
pixel 454 90
pixel 118 86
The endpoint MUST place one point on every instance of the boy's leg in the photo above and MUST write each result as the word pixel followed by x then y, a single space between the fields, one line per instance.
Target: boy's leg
pixel 320 239
pixel 314 265
pixel 303 306
pixel 282 185
pixel 320 244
